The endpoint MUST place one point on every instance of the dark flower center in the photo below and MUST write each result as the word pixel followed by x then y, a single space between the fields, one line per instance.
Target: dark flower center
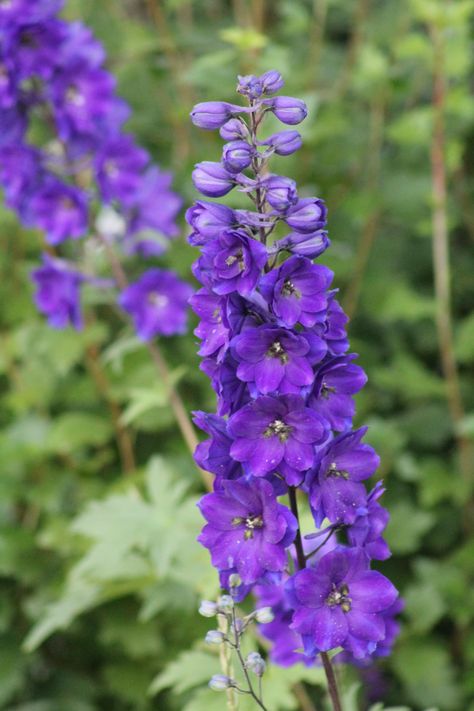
pixel 334 471
pixel 278 428
pixel 74 96
pixel 276 350
pixel 237 257
pixel 339 596
pixel 289 289
pixel 327 390
pixel 251 523
pixel 216 315
pixel 67 203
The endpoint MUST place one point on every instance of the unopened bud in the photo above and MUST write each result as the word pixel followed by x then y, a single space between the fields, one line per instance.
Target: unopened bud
pixel 208 608
pixel 225 602
pixel 255 663
pixel 219 682
pixel 214 637
pixel 264 615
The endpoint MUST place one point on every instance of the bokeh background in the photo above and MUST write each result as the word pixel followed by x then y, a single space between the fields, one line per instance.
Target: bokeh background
pixel 100 574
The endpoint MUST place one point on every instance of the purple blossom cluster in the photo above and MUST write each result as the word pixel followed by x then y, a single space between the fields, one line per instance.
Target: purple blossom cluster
pixel 274 344
pixel 52 76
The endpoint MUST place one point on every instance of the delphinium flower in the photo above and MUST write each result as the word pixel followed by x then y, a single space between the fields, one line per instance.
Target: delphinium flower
pixel 89 174
pixel 274 343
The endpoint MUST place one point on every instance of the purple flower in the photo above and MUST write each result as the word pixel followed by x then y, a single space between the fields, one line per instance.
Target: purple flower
pixel 119 165
pixel 280 192
pixel 276 359
pixel 337 380
pixel 309 245
pixel 234 130
pixel 237 156
pixel 341 603
pixel 212 179
pixel 287 109
pixel 284 143
pixel 335 327
pixel 208 220
pixel 154 206
pixel 213 454
pixel 247 529
pixel 58 293
pixel 213 114
pixel 366 531
pixel 277 433
pixel 26 11
pixel 308 215
pixel 335 488
pixel 58 209
pixel 211 329
pixel 232 262
pixel 297 291
pixel 157 303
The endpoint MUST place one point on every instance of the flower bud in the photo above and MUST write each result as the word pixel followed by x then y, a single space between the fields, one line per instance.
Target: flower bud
pixel 212 114
pixel 255 663
pixel 264 615
pixel 214 637
pixel 287 109
pixel 208 608
pixel 208 219
pixel 308 215
pixel 271 82
pixel 219 682
pixel 237 155
pixel 284 143
pixel 225 602
pixel 280 192
pixel 212 179
pixel 234 130
pixel 305 245
pixel 250 86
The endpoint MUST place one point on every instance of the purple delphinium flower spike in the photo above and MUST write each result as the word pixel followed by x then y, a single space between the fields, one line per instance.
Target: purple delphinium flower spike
pixel 58 292
pixel 274 341
pixel 52 70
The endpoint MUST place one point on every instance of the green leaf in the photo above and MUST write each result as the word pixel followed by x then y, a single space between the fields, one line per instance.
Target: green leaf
pixel 190 669
pixel 407 526
pixel 74 430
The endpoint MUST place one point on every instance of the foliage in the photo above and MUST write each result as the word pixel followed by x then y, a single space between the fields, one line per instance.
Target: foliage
pixel 100 572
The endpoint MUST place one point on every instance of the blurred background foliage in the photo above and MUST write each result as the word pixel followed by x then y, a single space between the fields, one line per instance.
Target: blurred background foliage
pixel 100 574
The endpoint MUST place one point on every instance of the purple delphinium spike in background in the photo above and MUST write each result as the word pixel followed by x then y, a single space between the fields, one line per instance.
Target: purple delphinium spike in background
pixel 274 342
pixel 45 184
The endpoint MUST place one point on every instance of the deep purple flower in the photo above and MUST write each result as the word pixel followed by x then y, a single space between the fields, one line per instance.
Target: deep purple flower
pixel 287 109
pixel 232 393
pixel 154 207
pixel 284 143
pixel 36 48
pixel 234 130
pixel 337 380
pixel 20 173
pixel 212 179
pixel 247 529
pixel 232 262
pixel 309 245
pixel 277 433
pixel 157 303
pixel 119 165
pixel 276 359
pixel 58 209
pixel 340 603
pixel 335 327
pixel 213 114
pixel 213 454
pixel 58 293
pixel 335 485
pixel 211 329
pixel 28 12
pixel 237 156
pixel 208 219
pixel 297 291
pixel 366 531
pixel 81 97
pixel 280 192
pixel 308 215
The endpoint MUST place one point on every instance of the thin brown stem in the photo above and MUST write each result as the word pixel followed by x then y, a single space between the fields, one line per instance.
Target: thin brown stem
pixel 122 435
pixel 441 264
pixel 301 562
pixel 179 410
